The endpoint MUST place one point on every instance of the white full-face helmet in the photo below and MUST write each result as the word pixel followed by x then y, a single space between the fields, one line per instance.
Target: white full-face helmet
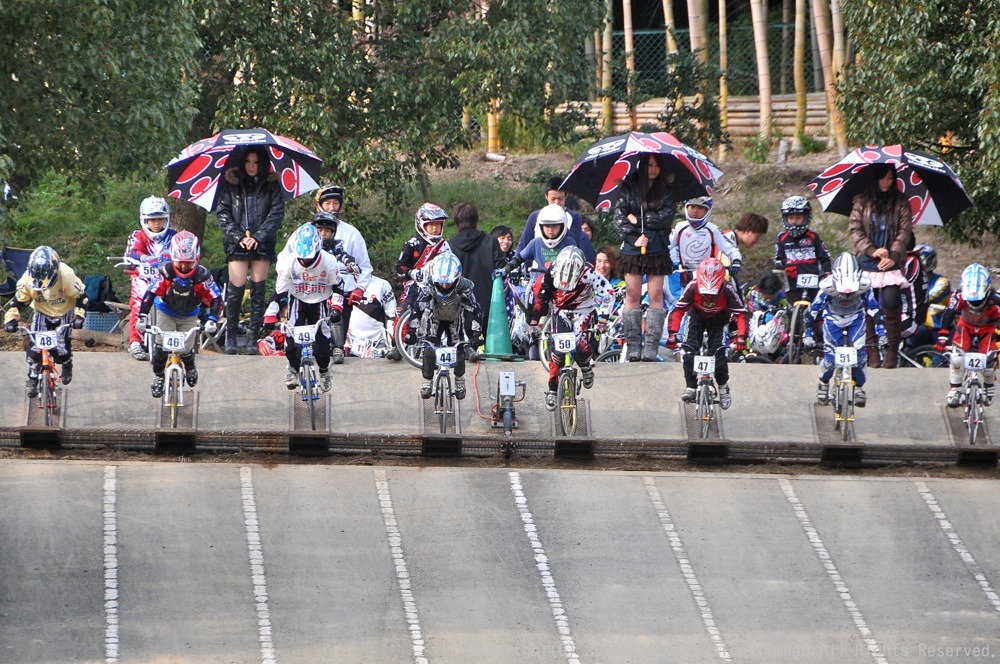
pixel 154 207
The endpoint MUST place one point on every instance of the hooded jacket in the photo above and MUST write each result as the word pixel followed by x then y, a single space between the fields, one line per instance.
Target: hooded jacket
pixel 479 254
pixel 254 205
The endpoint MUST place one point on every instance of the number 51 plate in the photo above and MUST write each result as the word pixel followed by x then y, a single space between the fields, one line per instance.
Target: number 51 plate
pixel 845 356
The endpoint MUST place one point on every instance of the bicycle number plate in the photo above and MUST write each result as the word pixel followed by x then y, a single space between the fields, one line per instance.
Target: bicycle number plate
pixel 564 342
pixel 807 280
pixel 47 340
pixel 704 364
pixel 147 271
pixel 447 356
pixel 506 383
pixel 173 341
pixel 975 361
pixel 845 356
pixel 304 334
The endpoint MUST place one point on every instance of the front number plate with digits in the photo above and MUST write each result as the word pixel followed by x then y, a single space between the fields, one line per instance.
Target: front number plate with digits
pixel 807 280
pixel 975 361
pixel 564 342
pixel 447 356
pixel 704 364
pixel 304 334
pixel 147 271
pixel 173 341
pixel 845 356
pixel 47 340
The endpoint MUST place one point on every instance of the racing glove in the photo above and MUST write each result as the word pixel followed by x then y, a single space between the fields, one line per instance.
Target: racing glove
pixel 417 275
pixel 10 327
pixel 808 342
pixel 740 342
pixel 734 269
pixel 672 341
pixel 355 297
pixel 942 341
pixel 211 326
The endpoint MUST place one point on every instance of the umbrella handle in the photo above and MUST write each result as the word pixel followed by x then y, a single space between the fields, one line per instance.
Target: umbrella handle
pixel 642 250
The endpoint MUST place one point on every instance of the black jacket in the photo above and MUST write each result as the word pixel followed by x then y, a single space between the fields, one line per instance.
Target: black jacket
pixel 656 223
pixel 262 219
pixel 479 254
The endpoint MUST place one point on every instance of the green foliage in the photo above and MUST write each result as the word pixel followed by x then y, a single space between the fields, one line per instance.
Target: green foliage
pixel 923 71
pixel 758 149
pixel 103 88
pixel 811 144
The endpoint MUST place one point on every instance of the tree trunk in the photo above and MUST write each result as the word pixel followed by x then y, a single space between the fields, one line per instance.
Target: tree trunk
pixel 188 217
pixel 786 36
pixel 670 26
pixel 839 42
pixel 629 60
pixel 723 68
pixel 758 11
pixel 799 74
pixel 826 58
pixel 694 29
pixel 607 107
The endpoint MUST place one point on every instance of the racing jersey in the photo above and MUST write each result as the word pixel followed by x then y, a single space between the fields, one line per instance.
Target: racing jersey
pixel 690 246
pixel 57 300
pixel 313 284
pixel 146 255
pixel 183 296
pixel 803 255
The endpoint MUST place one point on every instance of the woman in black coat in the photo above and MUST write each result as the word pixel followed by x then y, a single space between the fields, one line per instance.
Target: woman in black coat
pixel 250 210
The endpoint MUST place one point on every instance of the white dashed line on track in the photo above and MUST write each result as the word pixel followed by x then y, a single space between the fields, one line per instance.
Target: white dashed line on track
pixel 111 642
pixel 542 563
pixel 959 546
pixel 399 562
pixel 871 644
pixel 252 525
pixel 687 570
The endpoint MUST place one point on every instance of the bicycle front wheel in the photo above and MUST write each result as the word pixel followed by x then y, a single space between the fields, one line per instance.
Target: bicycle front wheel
pixel 566 401
pixel 926 357
pixel 847 399
pixel 412 353
pixel 174 395
pixel 46 396
pixel 973 412
pixel 443 401
pixel 796 330
pixel 703 409
pixel 614 355
pixel 310 389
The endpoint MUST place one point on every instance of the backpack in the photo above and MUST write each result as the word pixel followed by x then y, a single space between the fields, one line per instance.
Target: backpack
pixel 99 290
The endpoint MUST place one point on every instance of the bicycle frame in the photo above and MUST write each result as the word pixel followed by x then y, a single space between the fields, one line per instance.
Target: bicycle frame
pixel 305 336
pixel 44 341
pixel 845 360
pixel 569 383
pixel 706 394
pixel 175 343
pixel 446 357
pixel 973 396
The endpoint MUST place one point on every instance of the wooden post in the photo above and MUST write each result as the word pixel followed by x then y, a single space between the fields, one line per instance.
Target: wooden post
pixel 607 107
pixel 492 129
pixel 758 11
pixel 629 60
pixel 723 67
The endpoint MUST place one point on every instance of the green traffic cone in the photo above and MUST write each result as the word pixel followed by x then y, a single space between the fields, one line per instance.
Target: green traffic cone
pixel 498 327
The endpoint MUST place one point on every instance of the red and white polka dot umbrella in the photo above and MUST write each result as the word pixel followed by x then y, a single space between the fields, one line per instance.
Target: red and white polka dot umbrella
pixel 596 175
pixel 194 174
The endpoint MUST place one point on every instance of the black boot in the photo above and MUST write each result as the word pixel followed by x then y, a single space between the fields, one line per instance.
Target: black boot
pixel 893 334
pixel 234 303
pixel 258 303
pixel 871 343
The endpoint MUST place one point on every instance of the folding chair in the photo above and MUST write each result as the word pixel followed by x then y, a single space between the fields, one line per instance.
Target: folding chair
pixel 15 262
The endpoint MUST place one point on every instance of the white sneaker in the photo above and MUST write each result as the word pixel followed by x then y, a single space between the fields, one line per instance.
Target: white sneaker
pixel 426 390
pixel 325 381
pixel 954 397
pixel 860 398
pixel 138 351
pixel 588 377
pixel 291 378
pixel 725 401
pixel 460 388
pixel 550 400
pixel 338 356
pixel 689 394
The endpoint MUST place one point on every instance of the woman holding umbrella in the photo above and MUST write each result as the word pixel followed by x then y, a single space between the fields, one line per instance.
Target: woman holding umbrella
pixel 250 211
pixel 643 215
pixel 881 228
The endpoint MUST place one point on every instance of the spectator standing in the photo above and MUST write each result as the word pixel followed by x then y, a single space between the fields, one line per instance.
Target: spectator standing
pixel 251 210
pixel 643 216
pixel 555 196
pixel 479 254
pixel 881 228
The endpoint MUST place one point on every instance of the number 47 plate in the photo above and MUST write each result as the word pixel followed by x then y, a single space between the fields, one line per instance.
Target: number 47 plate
pixel 704 364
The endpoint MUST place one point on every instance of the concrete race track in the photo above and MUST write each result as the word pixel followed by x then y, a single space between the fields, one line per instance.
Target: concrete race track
pixel 181 562
pixel 633 408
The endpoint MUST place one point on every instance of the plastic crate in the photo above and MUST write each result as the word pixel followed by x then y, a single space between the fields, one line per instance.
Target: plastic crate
pixel 97 321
